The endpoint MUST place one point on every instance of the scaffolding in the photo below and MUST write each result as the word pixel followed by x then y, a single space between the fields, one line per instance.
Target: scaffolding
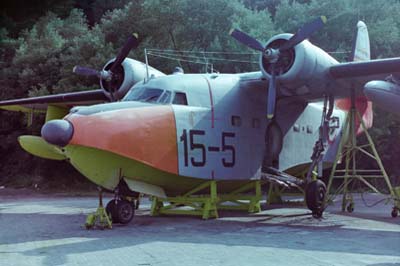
pixel 348 150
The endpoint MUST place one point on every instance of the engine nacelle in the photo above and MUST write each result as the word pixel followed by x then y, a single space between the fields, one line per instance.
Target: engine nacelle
pixel 128 74
pixel 297 65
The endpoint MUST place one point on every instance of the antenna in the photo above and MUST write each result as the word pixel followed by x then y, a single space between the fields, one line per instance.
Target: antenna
pixel 147 64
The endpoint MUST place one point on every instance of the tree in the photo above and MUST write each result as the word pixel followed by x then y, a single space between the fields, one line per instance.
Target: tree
pixel 38 48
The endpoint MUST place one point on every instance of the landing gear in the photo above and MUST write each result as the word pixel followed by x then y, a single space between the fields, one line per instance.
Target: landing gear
pixel 315 197
pixel 122 207
pixel 111 210
pixel 121 211
pixel 350 207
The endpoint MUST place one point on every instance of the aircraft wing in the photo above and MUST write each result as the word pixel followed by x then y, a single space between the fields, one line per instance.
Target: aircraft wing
pixel 366 70
pixel 65 100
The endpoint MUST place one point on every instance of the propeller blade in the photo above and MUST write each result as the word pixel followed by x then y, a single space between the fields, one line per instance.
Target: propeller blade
pixel 304 32
pixel 85 71
pixel 246 40
pixel 271 93
pixel 130 44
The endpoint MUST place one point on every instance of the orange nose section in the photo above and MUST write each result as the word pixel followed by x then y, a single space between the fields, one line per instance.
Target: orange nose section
pixel 145 134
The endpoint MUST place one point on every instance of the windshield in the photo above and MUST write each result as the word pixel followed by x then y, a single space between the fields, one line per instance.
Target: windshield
pixel 144 94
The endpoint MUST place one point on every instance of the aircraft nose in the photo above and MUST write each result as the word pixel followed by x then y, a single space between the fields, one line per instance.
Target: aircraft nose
pixel 58 132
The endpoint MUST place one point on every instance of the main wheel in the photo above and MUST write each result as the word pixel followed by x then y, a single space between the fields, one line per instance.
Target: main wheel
pixel 315 196
pixel 125 210
pixel 395 212
pixel 111 210
pixel 350 207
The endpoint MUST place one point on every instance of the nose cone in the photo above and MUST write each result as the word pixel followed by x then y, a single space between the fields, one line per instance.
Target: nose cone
pixel 58 132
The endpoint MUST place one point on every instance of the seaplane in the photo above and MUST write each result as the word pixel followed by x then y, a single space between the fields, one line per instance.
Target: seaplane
pixel 175 137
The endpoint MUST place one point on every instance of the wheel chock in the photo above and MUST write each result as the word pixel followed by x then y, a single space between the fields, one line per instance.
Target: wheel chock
pixel 98 219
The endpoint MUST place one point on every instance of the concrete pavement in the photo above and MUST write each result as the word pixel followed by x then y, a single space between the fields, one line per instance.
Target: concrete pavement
pixel 47 230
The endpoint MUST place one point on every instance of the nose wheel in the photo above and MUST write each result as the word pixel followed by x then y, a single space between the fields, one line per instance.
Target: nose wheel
pixel 315 197
pixel 121 210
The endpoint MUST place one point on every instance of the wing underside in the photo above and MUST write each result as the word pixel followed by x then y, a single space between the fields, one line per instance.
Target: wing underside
pixel 65 100
pixel 366 70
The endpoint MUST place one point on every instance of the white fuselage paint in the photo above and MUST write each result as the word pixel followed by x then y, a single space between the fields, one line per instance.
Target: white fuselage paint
pixel 299 140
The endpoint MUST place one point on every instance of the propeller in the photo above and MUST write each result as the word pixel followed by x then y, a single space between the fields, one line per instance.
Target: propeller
pixel 272 55
pixel 246 39
pixel 85 71
pixel 111 76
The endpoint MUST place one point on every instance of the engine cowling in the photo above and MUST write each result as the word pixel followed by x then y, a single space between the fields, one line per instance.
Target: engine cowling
pixel 125 76
pixel 297 65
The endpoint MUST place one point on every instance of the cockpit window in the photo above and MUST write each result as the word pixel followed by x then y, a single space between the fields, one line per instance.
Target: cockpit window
pixel 144 94
pixel 166 97
pixel 180 98
pixel 154 95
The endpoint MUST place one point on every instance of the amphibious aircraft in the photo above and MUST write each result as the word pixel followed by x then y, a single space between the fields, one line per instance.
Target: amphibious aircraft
pixel 164 135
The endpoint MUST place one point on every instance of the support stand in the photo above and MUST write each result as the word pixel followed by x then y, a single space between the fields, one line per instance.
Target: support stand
pixel 99 218
pixel 247 198
pixel 274 194
pixel 348 149
pixel 241 200
pixel 201 205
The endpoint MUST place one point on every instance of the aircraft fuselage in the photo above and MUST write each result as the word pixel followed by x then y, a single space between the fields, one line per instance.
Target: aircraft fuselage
pixel 219 132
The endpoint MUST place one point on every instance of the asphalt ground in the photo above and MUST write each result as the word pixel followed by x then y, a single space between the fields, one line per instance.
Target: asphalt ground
pixel 48 230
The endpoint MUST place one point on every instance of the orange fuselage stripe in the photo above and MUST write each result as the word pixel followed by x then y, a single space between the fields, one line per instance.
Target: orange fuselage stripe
pixel 146 134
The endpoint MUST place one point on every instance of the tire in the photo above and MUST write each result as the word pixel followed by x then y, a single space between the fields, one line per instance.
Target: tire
pixel 125 210
pixel 350 208
pixel 111 210
pixel 395 212
pixel 315 196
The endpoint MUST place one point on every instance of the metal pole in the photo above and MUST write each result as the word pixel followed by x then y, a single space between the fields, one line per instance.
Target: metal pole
pixel 147 64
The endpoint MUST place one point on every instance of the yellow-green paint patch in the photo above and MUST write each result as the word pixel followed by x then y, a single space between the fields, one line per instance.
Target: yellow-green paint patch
pixel 39 147
pixel 20 108
pixel 105 169
pixel 56 112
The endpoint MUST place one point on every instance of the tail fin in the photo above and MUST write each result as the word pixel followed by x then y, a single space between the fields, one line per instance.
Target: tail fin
pixel 361 50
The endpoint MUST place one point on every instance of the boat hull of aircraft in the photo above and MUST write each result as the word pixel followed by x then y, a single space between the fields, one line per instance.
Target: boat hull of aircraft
pixel 106 169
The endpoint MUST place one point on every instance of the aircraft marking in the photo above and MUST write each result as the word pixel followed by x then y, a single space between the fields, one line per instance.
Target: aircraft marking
pixel 192 142
pixel 212 148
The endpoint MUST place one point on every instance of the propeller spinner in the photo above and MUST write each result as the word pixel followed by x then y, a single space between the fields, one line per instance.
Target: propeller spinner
pixel 111 76
pixel 272 55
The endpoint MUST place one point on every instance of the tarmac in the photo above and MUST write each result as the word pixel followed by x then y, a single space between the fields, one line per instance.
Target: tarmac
pixel 48 230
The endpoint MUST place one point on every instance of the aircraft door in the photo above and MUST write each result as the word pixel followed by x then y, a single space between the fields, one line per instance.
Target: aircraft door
pixel 273 145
